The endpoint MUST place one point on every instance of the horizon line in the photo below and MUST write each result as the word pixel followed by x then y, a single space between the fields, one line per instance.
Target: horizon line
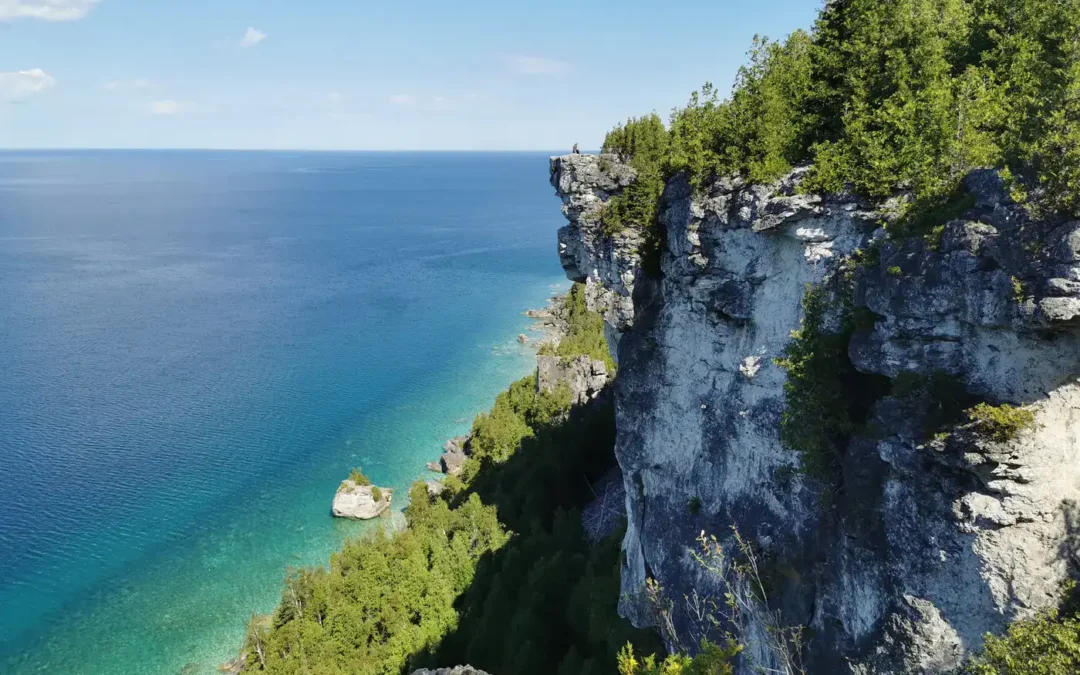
pixel 326 150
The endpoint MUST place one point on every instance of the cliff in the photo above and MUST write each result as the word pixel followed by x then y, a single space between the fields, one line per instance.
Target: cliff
pixel 926 529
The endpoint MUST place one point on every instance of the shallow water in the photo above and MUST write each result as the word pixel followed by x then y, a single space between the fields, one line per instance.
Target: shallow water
pixel 195 347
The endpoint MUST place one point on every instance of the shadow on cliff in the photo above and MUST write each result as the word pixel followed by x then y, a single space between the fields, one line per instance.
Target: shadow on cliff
pixel 546 601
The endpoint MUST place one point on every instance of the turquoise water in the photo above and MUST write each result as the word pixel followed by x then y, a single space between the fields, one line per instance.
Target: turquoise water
pixel 195 347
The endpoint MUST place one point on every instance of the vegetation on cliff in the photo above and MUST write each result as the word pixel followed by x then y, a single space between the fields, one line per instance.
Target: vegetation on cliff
pixel 880 97
pixel 584 332
pixel 495 571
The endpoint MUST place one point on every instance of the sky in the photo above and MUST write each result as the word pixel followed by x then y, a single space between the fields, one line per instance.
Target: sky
pixel 362 75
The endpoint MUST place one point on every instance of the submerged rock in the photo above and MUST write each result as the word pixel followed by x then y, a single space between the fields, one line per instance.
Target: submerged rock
pixel 359 502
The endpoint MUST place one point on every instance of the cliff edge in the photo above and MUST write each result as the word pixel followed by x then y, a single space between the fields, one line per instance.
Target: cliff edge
pixel 930 525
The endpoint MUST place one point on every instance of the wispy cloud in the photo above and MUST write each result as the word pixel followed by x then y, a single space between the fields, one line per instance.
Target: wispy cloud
pixel 46 10
pixel 21 84
pixel 137 84
pixel 168 107
pixel 252 37
pixel 402 99
pixel 535 65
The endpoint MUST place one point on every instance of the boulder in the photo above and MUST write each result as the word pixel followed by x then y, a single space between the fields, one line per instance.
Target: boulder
pixel 585 377
pixel 434 487
pixel 451 462
pixel 523 338
pixel 358 501
pixel 458 444
pixel 457 670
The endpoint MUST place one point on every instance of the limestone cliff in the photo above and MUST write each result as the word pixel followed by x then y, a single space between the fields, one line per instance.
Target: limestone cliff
pixel 919 544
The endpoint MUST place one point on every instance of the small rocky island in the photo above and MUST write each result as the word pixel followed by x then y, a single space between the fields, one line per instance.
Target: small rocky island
pixel 357 498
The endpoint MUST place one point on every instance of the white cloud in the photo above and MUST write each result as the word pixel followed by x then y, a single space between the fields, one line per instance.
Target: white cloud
pixel 535 65
pixel 21 84
pixel 168 107
pixel 252 37
pixel 47 10
pixel 402 99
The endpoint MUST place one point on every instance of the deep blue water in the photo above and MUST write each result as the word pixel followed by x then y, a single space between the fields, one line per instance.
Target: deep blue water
pixel 195 347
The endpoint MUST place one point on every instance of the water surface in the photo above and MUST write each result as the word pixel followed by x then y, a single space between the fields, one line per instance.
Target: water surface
pixel 195 347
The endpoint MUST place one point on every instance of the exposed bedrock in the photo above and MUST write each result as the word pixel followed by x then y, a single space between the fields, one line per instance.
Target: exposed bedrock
pixel 928 543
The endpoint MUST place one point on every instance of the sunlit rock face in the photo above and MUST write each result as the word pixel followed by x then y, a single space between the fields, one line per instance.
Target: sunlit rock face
pixel 927 544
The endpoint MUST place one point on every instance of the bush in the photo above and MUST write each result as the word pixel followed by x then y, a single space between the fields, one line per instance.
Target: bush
pixel 694 505
pixel 895 271
pixel 376 494
pixel 1045 645
pixel 711 660
pixel 357 476
pixel 585 331
pixel 1000 422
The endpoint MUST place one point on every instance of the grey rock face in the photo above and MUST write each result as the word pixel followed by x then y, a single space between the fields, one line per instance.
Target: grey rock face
pixel 358 501
pixel 585 377
pixel 457 670
pixel 929 544
pixel 608 266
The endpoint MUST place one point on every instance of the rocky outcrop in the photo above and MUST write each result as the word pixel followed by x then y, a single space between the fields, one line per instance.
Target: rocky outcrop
pixel 360 502
pixel 457 670
pixel 585 377
pixel 917 546
pixel 455 452
pixel 607 265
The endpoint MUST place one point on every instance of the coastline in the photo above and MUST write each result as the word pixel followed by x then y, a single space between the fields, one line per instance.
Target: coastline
pixel 546 326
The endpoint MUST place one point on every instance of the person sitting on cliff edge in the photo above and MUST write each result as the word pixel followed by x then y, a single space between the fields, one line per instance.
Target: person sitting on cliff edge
pixel 576 151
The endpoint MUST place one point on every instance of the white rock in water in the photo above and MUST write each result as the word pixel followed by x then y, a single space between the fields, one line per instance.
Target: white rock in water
pixel 358 501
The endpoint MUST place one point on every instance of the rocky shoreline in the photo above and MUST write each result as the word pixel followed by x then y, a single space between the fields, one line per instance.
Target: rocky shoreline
pixel 551 323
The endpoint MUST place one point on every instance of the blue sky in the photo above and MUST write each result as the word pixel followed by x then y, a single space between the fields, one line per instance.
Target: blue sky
pixel 354 74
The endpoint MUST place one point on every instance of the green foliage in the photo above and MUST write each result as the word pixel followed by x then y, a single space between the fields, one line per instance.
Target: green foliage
pixel 642 143
pixel 357 476
pixel 376 494
pixel 495 571
pixel 694 505
pixel 712 659
pixel 895 271
pixel 382 598
pixel 1001 422
pixel 1045 645
pixel 826 398
pixel 926 217
pixel 585 332
pixel 882 96
pixel 1018 289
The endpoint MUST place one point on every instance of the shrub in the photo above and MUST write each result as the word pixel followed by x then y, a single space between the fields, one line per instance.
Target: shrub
pixel 1045 645
pixel 895 271
pixel 376 494
pixel 694 505
pixel 815 419
pixel 585 331
pixel 357 476
pixel 711 660
pixel 1000 422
